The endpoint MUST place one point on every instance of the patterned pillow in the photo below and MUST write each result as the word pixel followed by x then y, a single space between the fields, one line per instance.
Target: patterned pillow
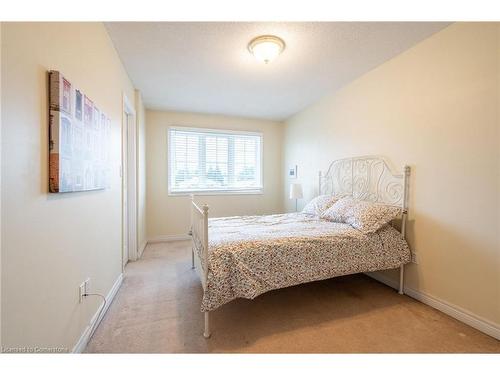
pixel 365 216
pixel 319 204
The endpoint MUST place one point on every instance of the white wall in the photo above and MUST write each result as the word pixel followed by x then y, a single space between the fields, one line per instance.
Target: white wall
pixel 52 242
pixel 434 107
pixel 169 215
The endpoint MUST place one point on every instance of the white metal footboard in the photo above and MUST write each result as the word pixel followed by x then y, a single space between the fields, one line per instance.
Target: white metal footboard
pixel 199 236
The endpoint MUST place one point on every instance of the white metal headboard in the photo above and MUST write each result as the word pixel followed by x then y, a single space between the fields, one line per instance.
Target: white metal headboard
pixel 368 178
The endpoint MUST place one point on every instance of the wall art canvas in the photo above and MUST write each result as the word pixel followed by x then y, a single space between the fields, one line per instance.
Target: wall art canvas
pixel 79 139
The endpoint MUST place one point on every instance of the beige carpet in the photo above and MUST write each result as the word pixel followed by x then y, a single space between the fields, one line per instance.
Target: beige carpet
pixel 158 310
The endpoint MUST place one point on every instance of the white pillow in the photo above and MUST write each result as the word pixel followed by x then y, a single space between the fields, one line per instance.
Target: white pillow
pixel 319 204
pixel 365 216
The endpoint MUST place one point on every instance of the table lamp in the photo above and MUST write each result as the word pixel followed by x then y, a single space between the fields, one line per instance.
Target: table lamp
pixel 296 193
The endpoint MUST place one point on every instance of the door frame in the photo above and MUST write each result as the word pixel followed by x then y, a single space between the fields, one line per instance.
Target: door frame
pixel 129 171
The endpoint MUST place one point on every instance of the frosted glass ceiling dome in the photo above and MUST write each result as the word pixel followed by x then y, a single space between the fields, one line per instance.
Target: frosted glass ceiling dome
pixel 266 48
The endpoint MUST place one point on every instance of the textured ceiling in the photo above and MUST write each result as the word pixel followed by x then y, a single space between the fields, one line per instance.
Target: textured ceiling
pixel 205 66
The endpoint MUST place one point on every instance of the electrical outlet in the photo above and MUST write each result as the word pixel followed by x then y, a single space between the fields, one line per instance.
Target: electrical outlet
pixel 87 285
pixel 81 291
pixel 414 258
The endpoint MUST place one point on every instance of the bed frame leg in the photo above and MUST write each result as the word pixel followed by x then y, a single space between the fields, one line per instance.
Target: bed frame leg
pixel 192 258
pixel 401 279
pixel 206 333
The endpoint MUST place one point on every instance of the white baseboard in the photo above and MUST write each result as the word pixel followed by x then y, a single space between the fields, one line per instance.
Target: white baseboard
pixel 86 335
pixel 168 238
pixel 141 249
pixel 484 325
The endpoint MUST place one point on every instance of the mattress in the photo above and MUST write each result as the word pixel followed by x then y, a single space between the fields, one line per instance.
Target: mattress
pixel 250 255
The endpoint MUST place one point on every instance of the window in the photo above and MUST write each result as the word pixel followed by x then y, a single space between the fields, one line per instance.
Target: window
pixel 202 160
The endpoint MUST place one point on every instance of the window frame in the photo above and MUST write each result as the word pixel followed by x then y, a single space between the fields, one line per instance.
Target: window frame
pixel 249 191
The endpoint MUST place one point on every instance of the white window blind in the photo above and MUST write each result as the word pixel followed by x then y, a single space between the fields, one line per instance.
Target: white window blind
pixel 214 161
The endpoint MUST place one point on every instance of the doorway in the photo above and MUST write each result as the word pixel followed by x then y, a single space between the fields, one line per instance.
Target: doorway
pixel 129 183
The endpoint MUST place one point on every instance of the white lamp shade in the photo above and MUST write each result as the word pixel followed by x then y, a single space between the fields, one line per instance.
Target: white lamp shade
pixel 295 191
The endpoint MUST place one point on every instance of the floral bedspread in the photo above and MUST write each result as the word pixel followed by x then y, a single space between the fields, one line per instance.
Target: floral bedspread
pixel 250 255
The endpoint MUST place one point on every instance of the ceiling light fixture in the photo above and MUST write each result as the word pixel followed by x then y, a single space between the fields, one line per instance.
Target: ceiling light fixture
pixel 266 48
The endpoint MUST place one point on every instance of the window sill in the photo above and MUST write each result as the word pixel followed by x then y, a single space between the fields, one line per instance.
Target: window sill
pixel 199 193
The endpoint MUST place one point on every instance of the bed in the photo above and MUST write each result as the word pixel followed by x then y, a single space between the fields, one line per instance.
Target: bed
pixel 246 256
